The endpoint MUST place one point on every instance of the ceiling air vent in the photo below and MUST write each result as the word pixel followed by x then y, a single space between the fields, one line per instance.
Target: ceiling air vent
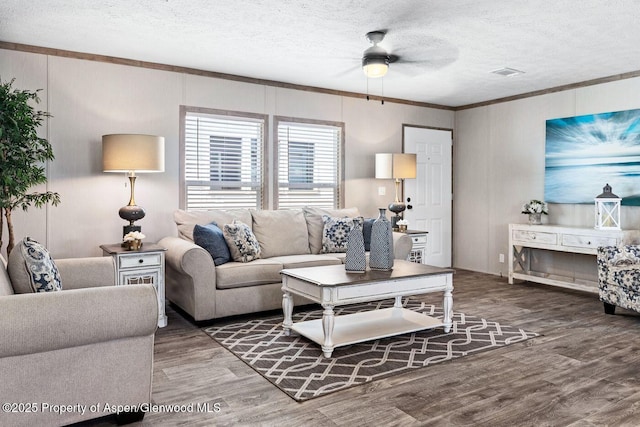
pixel 507 72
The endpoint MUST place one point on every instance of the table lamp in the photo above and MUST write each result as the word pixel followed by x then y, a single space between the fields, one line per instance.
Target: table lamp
pixel 131 153
pixel 396 166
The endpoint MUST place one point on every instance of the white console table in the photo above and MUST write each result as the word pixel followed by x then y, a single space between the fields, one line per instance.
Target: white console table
pixel 524 237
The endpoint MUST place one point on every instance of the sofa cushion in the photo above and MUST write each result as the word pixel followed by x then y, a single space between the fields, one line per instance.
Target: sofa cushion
pixel 299 261
pixel 243 245
pixel 335 233
pixel 211 238
pixel 32 269
pixel 187 220
pixel 315 225
pixel 241 274
pixel 280 232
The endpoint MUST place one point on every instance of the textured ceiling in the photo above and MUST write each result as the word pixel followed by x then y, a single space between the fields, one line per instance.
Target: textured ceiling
pixel 451 46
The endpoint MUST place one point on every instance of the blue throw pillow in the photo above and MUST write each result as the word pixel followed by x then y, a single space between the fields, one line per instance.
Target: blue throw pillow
pixel 210 238
pixel 366 232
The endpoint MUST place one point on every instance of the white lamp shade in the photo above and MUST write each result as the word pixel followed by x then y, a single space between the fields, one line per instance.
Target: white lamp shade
pixel 132 152
pixel 395 165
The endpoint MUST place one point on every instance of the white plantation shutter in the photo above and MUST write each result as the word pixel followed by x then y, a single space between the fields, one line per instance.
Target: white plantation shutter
pixel 309 164
pixel 223 161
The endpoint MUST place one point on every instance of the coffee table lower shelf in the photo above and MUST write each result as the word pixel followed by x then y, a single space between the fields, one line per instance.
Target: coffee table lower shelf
pixel 370 325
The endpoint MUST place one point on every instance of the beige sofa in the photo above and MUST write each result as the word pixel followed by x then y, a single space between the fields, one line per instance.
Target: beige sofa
pixel 288 239
pixel 89 344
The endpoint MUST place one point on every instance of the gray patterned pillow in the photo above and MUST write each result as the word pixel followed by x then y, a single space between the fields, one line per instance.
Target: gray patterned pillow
pixel 243 245
pixel 43 273
pixel 335 233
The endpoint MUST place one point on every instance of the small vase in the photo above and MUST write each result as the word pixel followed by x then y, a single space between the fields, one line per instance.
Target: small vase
pixel 356 260
pixel 535 218
pixel 381 253
pixel 135 245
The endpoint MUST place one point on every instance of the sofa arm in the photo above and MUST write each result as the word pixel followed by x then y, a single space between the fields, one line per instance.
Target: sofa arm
pixel 47 321
pixel 190 277
pixel 402 245
pixel 77 273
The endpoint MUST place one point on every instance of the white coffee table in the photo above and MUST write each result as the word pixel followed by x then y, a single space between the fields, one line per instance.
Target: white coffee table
pixel 332 286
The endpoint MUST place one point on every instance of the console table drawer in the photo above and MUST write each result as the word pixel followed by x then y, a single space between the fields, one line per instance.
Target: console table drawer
pixel 581 241
pixel 535 237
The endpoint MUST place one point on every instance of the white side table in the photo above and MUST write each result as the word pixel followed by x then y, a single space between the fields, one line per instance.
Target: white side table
pixel 143 266
pixel 419 239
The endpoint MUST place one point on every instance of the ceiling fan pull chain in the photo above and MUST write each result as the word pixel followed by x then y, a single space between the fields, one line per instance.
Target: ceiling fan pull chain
pixel 367 88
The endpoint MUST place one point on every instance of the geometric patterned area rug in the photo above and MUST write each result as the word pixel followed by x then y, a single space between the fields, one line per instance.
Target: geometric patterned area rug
pixel 296 365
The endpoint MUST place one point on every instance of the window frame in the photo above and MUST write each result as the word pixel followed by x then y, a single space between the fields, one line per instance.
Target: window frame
pixel 275 155
pixel 264 118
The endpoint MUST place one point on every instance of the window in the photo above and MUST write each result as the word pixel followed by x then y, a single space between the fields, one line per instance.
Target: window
pixel 309 163
pixel 223 159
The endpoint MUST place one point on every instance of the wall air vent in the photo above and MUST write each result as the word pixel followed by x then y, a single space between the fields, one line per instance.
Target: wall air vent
pixel 507 72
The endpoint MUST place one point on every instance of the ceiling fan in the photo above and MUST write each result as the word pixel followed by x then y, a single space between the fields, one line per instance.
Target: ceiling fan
pixel 376 60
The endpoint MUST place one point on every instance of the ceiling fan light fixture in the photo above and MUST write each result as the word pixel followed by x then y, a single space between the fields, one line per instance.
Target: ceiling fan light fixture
pixel 375 67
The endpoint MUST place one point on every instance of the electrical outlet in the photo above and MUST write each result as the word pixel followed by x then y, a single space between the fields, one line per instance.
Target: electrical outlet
pixel 382 191
pixel 501 257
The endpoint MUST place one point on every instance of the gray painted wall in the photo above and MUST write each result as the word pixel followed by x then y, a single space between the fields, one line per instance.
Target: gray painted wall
pixel 499 165
pixel 498 149
pixel 88 99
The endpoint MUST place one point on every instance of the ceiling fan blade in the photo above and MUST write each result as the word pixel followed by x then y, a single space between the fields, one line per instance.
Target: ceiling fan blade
pixel 348 71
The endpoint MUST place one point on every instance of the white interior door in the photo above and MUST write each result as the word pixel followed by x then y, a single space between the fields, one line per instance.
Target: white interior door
pixel 429 195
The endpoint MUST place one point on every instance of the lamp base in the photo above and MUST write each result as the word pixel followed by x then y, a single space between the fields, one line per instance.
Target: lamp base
pixel 131 212
pixel 397 208
pixel 129 228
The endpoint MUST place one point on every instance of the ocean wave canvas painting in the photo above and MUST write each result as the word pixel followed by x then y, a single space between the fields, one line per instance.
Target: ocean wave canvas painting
pixel 584 153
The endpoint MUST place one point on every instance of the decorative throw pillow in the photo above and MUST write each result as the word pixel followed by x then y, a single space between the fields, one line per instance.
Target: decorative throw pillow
pixel 366 232
pixel 211 238
pixel 43 273
pixel 335 233
pixel 243 245
pixel 315 224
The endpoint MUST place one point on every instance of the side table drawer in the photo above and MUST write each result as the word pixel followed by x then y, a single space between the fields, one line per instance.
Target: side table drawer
pixel 578 241
pixel 139 260
pixel 535 237
pixel 419 240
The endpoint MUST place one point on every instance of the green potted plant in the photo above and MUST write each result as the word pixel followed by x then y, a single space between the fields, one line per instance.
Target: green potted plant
pixel 22 156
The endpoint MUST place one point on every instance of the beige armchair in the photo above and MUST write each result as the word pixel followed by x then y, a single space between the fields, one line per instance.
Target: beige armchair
pixel 75 354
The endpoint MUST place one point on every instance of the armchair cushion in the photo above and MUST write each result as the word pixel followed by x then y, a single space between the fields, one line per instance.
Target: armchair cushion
pixel 32 269
pixel 624 256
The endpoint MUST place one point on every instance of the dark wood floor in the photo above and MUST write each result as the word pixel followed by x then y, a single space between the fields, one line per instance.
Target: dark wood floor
pixel 583 371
